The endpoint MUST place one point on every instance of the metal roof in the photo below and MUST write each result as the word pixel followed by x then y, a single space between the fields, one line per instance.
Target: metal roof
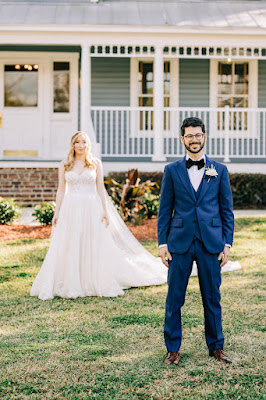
pixel 200 13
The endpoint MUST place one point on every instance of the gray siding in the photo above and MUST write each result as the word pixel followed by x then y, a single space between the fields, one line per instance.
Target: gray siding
pixel 110 84
pixel 262 84
pixel 194 83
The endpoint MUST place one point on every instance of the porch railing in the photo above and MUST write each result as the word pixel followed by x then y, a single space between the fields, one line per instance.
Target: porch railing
pixel 233 133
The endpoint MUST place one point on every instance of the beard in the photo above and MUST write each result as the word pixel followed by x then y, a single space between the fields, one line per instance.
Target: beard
pixel 188 147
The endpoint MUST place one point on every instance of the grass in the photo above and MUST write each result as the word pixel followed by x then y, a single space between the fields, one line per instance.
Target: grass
pixel 112 349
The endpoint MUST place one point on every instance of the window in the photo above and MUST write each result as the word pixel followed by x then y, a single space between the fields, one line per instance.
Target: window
pixel 167 83
pixel 233 84
pixel 146 92
pixel 145 84
pixel 233 91
pixel 61 87
pixel 21 85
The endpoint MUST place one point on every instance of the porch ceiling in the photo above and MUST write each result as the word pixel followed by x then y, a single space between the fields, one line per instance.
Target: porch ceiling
pixel 206 14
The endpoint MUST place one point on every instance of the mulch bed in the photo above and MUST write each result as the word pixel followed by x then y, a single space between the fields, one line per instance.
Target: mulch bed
pixel 146 231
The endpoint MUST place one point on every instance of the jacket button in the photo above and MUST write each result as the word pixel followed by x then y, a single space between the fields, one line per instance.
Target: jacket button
pixel 194 221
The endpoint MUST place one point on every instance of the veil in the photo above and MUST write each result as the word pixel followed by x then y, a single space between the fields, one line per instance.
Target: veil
pixel 134 251
pixel 123 237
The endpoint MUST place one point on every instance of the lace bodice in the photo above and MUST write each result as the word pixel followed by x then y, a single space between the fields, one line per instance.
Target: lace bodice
pixel 81 183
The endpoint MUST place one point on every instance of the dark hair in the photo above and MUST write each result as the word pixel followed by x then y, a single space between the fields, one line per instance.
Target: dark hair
pixel 192 121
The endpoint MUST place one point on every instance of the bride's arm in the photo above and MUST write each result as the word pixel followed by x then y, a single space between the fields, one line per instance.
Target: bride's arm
pixel 60 191
pixel 101 189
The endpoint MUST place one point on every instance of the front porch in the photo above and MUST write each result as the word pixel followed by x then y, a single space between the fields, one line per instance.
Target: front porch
pixel 131 98
pixel 234 134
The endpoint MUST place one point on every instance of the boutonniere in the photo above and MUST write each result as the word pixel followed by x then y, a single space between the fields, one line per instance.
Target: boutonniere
pixel 210 172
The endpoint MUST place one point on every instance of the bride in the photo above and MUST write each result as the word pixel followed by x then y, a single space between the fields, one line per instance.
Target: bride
pixel 92 252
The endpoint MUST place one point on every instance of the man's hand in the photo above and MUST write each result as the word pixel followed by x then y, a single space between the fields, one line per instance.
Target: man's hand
pixel 224 256
pixel 165 255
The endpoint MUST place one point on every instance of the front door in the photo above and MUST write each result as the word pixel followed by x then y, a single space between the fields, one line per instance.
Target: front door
pixel 38 104
pixel 21 107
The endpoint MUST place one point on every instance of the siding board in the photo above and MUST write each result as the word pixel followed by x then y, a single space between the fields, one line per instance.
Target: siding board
pixel 262 84
pixel 110 81
pixel 194 83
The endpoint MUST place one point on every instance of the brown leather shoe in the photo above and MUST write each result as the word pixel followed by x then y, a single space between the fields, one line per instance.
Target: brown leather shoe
pixel 172 358
pixel 220 356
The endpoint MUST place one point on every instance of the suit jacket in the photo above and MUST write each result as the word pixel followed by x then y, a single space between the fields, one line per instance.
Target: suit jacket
pixel 180 211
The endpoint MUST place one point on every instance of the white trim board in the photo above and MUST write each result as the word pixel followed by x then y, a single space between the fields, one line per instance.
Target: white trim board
pixel 249 168
pixel 109 166
pixel 137 37
pixel 63 28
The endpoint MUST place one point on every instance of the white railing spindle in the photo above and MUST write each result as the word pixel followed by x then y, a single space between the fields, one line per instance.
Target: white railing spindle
pixel 233 133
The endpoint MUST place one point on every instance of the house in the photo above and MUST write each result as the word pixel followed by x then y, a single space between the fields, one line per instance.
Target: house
pixel 128 72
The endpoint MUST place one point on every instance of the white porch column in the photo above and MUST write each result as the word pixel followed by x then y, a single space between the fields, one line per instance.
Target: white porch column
pixel 226 134
pixel 85 99
pixel 158 96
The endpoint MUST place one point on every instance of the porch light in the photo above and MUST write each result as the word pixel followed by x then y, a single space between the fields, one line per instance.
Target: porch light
pixel 229 59
pixel 17 66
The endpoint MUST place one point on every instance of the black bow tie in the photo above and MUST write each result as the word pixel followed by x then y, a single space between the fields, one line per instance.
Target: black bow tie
pixel 199 163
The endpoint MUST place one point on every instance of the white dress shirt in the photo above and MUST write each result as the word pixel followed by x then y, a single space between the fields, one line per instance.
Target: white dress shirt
pixel 195 174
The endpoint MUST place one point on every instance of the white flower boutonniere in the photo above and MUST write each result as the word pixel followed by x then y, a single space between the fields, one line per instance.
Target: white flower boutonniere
pixel 211 172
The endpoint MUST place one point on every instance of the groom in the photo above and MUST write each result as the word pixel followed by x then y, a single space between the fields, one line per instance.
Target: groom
pixel 195 222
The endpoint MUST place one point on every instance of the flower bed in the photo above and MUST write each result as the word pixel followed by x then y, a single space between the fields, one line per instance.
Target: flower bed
pixel 146 231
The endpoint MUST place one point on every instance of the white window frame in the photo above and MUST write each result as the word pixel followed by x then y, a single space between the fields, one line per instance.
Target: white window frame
pixel 252 97
pixel 174 88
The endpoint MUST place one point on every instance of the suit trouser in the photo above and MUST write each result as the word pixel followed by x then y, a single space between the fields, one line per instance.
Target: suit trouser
pixel 209 275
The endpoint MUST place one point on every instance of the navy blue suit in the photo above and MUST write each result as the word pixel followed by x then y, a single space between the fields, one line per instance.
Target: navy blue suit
pixel 195 226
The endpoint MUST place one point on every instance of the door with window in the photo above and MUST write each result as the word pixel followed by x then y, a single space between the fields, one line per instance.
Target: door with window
pixel 233 91
pixel 234 87
pixel 38 105
pixel 145 93
pixel 21 107
pixel 64 107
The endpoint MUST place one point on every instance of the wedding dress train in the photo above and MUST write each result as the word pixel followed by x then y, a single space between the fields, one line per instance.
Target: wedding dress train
pixel 87 259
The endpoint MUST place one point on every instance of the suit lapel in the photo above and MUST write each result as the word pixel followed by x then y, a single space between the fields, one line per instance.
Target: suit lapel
pixel 206 183
pixel 183 174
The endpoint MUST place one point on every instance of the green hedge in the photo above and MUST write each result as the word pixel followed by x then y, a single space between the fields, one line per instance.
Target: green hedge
pixel 9 211
pixel 249 190
pixel 44 212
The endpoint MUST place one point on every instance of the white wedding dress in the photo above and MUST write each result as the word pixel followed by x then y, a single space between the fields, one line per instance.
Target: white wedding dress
pixel 87 259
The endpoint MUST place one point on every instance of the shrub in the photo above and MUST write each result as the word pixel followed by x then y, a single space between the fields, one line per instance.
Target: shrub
pixel 134 198
pixel 44 212
pixel 9 211
pixel 155 177
pixel 152 203
pixel 249 190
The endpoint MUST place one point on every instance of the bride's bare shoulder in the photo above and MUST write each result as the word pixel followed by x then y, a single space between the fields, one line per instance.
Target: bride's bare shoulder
pixel 97 161
pixel 62 164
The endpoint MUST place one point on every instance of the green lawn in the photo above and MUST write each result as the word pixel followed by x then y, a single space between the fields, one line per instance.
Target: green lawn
pixel 100 348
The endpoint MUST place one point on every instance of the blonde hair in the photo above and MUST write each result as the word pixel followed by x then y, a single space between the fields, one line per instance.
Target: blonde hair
pixel 89 162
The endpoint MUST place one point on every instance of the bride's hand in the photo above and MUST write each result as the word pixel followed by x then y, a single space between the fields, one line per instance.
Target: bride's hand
pixel 54 220
pixel 105 219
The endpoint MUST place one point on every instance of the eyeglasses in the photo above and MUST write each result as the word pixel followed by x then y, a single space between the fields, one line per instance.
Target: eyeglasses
pixel 198 136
